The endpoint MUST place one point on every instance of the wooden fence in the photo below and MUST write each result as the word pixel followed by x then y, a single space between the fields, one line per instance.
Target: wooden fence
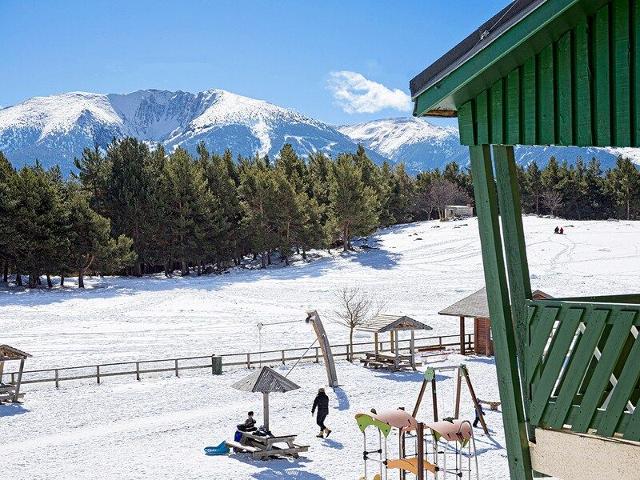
pixel 427 345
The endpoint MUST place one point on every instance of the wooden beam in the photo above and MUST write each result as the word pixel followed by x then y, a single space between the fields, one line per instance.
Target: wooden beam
pixel 16 394
pixel 462 371
pixel 500 311
pixel 516 251
pixel 265 410
pixel 462 349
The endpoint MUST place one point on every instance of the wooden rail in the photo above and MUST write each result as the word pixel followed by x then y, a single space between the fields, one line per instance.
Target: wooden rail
pixel 135 369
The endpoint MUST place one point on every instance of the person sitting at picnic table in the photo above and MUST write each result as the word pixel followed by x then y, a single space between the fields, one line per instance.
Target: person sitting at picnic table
pixel 249 424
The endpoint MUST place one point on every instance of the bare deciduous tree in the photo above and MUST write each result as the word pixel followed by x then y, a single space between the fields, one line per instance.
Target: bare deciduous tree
pixel 552 200
pixel 355 308
pixel 438 195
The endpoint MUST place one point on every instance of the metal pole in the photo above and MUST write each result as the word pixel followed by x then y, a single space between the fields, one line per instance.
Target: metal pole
pixel 265 409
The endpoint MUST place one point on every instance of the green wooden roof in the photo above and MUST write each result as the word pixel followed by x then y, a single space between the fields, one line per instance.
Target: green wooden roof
pixel 541 72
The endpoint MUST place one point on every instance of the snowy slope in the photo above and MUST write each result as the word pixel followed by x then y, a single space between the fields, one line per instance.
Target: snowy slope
pixel 156 428
pixel 423 146
pixel 54 129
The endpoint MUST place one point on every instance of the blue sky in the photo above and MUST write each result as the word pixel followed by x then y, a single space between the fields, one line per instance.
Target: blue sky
pixel 338 61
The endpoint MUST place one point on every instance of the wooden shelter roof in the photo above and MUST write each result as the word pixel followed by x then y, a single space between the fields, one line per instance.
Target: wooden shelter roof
pixel 387 323
pixel 477 306
pixel 470 46
pixel 265 380
pixel 11 353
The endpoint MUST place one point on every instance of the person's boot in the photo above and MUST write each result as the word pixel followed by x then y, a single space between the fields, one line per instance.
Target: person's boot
pixel 328 432
pixel 320 435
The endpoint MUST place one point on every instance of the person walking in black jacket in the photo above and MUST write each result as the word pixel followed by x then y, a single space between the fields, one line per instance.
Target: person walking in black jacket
pixel 321 402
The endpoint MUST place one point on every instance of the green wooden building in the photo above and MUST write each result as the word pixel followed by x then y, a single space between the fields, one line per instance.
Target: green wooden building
pixel 549 72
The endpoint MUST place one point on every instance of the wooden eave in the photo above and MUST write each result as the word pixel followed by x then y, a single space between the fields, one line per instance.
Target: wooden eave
pixel 508 50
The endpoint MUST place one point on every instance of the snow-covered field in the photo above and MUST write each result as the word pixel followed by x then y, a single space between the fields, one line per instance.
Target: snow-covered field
pixel 156 428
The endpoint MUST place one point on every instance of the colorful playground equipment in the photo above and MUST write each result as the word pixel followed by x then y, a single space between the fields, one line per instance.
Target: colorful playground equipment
pixel 443 449
pixel 461 372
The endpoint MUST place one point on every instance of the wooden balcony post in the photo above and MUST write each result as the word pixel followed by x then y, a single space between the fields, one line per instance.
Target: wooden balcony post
pixel 513 413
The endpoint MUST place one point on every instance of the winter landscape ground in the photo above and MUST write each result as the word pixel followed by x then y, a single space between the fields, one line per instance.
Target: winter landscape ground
pixel 157 428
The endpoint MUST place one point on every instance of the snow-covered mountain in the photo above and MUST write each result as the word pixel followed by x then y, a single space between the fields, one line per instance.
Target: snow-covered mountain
pixel 424 146
pixel 414 141
pixel 55 129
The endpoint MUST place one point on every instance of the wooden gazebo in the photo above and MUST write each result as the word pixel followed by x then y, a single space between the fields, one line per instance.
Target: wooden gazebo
pixel 476 306
pixel 549 72
pixel 392 324
pixel 11 391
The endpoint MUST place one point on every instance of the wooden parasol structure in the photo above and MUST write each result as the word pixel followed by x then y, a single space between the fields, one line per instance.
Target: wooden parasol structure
pixel 265 381
pixel 392 324
pixel 11 391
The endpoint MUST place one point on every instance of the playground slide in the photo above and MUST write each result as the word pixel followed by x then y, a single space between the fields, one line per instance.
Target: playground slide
pixel 411 465
pixel 221 449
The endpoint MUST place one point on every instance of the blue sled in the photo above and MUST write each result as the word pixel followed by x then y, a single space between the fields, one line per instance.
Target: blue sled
pixel 221 449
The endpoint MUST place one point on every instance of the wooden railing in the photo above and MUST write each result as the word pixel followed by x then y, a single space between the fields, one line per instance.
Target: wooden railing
pixel 136 369
pixel 582 365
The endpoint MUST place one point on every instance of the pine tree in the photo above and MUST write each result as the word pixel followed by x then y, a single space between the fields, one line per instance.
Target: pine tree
pixel 624 183
pixel 194 218
pixel 354 206
pixel 89 241
pixel 7 211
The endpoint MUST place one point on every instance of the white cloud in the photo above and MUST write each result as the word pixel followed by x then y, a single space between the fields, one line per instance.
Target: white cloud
pixel 356 94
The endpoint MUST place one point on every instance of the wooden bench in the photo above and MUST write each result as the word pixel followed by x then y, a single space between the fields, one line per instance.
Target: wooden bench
pixel 263 447
pixel 238 447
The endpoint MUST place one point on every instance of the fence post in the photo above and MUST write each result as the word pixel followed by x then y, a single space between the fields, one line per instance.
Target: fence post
pixel 176 367
pixel 348 353
pixel 317 357
pixel 57 378
pixel 440 343
pixel 138 371
pixel 98 373
pixel 248 360
pixel 216 365
pixel 283 357
pixel 13 378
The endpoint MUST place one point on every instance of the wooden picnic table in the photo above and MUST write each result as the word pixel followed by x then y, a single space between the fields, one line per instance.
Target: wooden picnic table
pixel 265 446
pixel 383 360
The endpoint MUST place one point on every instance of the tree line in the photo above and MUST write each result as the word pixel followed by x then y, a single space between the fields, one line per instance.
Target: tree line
pixel 133 209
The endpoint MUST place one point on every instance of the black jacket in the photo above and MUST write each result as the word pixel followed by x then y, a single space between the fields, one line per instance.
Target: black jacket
pixel 321 403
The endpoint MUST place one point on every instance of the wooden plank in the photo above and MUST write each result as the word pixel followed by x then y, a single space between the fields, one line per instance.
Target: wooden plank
pixel 515 248
pixel 513 108
pixel 529 100
pixel 497 113
pixel 600 378
pixel 555 360
pixel 627 381
pixel 501 323
pixel 466 124
pixel 564 117
pixel 582 82
pixel 482 118
pixel 602 78
pixel 540 339
pixel 597 320
pixel 545 97
pixel 620 75
pixel 635 56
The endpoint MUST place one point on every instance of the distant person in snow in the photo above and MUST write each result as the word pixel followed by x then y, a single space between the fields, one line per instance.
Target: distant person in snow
pixel 321 403
pixel 479 411
pixel 249 424
pixel 561 231
pixel 556 230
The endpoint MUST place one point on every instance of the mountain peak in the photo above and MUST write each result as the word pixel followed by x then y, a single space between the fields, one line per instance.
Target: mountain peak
pixel 56 128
